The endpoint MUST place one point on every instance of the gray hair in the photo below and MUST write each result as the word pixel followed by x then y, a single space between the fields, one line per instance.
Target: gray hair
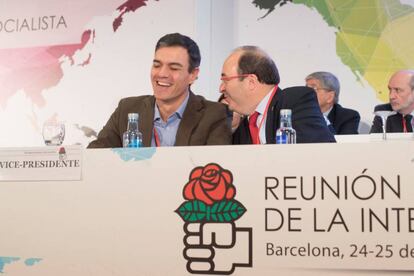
pixel 412 82
pixel 328 81
pixel 411 72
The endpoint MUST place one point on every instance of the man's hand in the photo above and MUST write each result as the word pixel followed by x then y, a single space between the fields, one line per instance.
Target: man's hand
pixel 217 248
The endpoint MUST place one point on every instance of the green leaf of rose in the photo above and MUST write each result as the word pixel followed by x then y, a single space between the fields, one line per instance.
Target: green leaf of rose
pixel 222 211
pixel 226 211
pixel 193 211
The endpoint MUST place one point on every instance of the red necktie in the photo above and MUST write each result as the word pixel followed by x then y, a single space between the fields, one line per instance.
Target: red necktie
pixel 254 130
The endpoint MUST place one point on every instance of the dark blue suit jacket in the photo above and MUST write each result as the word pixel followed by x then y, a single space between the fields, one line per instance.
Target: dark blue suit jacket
pixel 394 122
pixel 344 120
pixel 307 118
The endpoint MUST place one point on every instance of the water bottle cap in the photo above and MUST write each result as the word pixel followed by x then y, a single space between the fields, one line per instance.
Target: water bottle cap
pixel 285 112
pixel 133 116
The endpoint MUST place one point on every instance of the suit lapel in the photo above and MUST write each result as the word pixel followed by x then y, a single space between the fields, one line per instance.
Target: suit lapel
pixel 242 134
pixel 146 121
pixel 272 118
pixel 395 123
pixel 332 122
pixel 408 120
pixel 191 118
pixel 332 115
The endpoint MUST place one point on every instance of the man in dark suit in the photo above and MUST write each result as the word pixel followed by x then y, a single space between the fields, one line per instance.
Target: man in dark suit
pixel 340 120
pixel 173 116
pixel 250 85
pixel 401 95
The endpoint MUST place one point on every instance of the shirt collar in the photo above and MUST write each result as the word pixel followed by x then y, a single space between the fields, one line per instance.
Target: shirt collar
pixel 327 112
pixel 179 112
pixel 261 107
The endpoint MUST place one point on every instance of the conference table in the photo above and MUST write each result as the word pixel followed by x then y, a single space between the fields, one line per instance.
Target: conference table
pixel 304 209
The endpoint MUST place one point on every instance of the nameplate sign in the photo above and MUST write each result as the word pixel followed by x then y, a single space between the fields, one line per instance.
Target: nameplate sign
pixel 41 164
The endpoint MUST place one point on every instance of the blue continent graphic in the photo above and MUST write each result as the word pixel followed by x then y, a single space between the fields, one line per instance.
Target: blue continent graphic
pixel 32 261
pixel 135 154
pixel 7 260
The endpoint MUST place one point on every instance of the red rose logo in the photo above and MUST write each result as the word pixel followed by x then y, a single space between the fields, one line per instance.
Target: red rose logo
pixel 209 195
pixel 210 184
pixel 210 210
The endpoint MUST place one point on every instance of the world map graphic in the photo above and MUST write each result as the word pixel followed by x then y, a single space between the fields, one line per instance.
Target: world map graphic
pixel 10 260
pixel 373 39
pixel 36 69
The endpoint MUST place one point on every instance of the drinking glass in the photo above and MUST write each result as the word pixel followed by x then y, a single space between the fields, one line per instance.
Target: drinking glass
pixel 384 114
pixel 53 133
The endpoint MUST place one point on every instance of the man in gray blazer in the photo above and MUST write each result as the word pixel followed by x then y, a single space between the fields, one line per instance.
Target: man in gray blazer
pixel 173 115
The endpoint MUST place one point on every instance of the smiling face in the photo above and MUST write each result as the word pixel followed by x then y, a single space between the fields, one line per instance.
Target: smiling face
pixel 170 76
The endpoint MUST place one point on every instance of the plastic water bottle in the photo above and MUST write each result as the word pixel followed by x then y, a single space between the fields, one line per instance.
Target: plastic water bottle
pixel 285 134
pixel 132 138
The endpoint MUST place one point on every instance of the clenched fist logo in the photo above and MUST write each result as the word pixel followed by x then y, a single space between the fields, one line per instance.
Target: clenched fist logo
pixel 213 243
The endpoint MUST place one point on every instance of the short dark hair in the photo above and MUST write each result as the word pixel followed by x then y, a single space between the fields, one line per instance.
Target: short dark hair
pixel 177 39
pixel 254 60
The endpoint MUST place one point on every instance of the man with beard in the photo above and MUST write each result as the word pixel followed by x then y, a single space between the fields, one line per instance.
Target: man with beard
pixel 250 84
pixel 401 95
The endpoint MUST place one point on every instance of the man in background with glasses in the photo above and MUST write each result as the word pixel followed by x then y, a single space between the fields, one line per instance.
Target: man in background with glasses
pixel 250 84
pixel 401 95
pixel 340 120
pixel 173 115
